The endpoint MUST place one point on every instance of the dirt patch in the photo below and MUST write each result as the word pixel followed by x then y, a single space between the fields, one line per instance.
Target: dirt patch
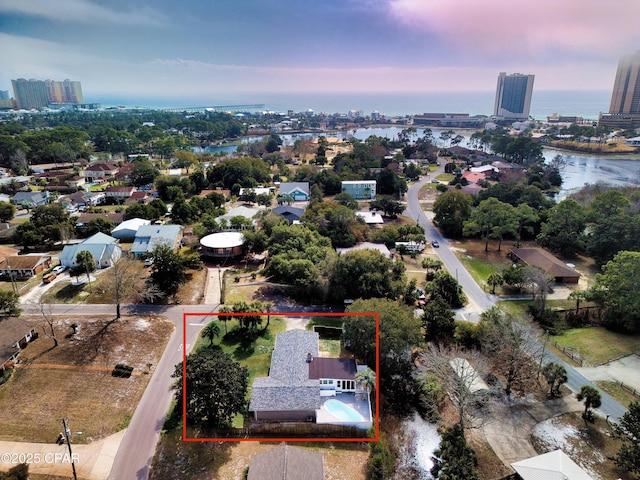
pixel 93 400
pixel 192 292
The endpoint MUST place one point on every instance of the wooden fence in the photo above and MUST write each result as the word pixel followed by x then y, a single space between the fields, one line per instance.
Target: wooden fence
pixel 290 430
pixel 629 389
pixel 572 355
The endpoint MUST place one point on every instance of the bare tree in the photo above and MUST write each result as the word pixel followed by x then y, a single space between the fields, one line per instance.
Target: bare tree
pixel 48 322
pixel 514 349
pixel 123 283
pixel 460 374
pixel 538 282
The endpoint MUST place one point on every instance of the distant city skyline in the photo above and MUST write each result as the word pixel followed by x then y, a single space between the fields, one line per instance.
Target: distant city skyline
pixel 237 49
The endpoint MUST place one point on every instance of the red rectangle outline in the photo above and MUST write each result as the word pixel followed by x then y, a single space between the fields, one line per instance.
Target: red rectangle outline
pixel 376 438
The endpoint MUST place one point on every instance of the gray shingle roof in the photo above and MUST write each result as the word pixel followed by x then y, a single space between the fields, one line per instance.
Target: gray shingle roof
pixel 286 463
pixel 288 386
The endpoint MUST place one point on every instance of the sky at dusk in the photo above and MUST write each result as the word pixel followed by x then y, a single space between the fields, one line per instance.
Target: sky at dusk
pixel 232 48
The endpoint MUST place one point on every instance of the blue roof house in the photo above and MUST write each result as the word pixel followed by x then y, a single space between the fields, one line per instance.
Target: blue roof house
pixel 105 251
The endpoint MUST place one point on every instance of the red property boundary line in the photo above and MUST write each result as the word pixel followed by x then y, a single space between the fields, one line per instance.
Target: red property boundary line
pixel 278 439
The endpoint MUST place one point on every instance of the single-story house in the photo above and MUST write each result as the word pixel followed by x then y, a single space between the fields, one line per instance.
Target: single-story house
pixel 370 217
pixel 296 191
pixel 119 193
pixel 555 465
pixel 15 335
pixel 84 199
pixel 30 199
pixel 473 177
pixel 548 263
pixel 286 463
pixel 104 249
pixel 140 197
pixel 241 211
pixel 381 247
pixel 360 189
pixel 291 214
pixel 149 236
pixel 25 266
pixel 257 190
pixel 303 387
pixel 222 245
pixel 129 228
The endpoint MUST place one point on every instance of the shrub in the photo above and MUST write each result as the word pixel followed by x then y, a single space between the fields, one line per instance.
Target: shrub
pixel 122 370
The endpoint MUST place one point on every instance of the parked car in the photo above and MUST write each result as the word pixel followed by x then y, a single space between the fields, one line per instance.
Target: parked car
pixel 435 244
pixel 58 270
pixel 49 277
pixel 148 262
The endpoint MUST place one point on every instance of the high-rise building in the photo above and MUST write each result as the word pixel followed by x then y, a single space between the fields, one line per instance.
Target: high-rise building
pixel 624 110
pixel 31 94
pixel 65 91
pixel 513 96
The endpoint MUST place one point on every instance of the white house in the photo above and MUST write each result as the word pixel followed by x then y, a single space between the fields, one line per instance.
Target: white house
pixel 129 228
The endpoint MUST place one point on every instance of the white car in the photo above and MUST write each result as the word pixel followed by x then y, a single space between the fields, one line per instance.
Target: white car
pixel 148 262
pixel 59 269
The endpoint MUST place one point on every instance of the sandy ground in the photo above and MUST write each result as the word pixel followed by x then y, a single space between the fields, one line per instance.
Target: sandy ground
pixel 625 370
pixel 509 432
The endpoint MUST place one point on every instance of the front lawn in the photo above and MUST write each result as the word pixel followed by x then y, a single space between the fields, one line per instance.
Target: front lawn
pixel 251 349
pixel 597 345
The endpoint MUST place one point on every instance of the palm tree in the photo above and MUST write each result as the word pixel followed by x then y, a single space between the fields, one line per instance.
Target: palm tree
pixel 267 308
pixel 577 295
pixel 495 280
pixel 367 378
pixel 211 331
pixel 225 318
pixel 591 398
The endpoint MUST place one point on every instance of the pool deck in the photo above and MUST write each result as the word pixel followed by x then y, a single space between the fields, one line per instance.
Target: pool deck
pixel 351 400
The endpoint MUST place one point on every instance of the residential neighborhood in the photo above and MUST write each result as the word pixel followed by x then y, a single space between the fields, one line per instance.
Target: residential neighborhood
pixel 323 302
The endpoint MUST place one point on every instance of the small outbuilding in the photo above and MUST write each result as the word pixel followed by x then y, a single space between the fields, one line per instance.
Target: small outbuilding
pixel 222 245
pixel 552 465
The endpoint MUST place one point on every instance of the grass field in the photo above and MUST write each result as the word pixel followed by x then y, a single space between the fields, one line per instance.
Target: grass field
pixel 597 345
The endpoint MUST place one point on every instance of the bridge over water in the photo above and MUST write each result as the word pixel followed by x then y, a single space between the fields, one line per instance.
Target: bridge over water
pixel 218 108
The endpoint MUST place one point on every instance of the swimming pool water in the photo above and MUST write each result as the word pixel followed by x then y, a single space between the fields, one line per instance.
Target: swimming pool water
pixel 343 412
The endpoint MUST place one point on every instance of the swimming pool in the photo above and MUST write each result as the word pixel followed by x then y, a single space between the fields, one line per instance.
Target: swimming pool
pixel 343 412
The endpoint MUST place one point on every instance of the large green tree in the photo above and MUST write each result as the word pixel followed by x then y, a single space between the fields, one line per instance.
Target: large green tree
pixel 628 430
pixel 399 334
pixel 9 304
pixel 438 321
pixel 216 388
pixel 491 219
pixel 169 268
pixel 616 288
pixel 454 459
pixel 563 232
pixel 364 274
pixel 452 209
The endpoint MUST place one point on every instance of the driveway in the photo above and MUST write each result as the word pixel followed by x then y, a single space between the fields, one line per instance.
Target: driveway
pixel 509 432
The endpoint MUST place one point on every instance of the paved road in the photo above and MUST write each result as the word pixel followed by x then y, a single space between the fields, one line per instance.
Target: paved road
pixel 483 301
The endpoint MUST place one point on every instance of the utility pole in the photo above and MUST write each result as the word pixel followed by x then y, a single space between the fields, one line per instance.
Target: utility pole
pixel 67 436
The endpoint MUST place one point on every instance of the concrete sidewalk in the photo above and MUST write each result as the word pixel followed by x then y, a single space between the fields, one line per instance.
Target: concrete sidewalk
pixel 93 461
